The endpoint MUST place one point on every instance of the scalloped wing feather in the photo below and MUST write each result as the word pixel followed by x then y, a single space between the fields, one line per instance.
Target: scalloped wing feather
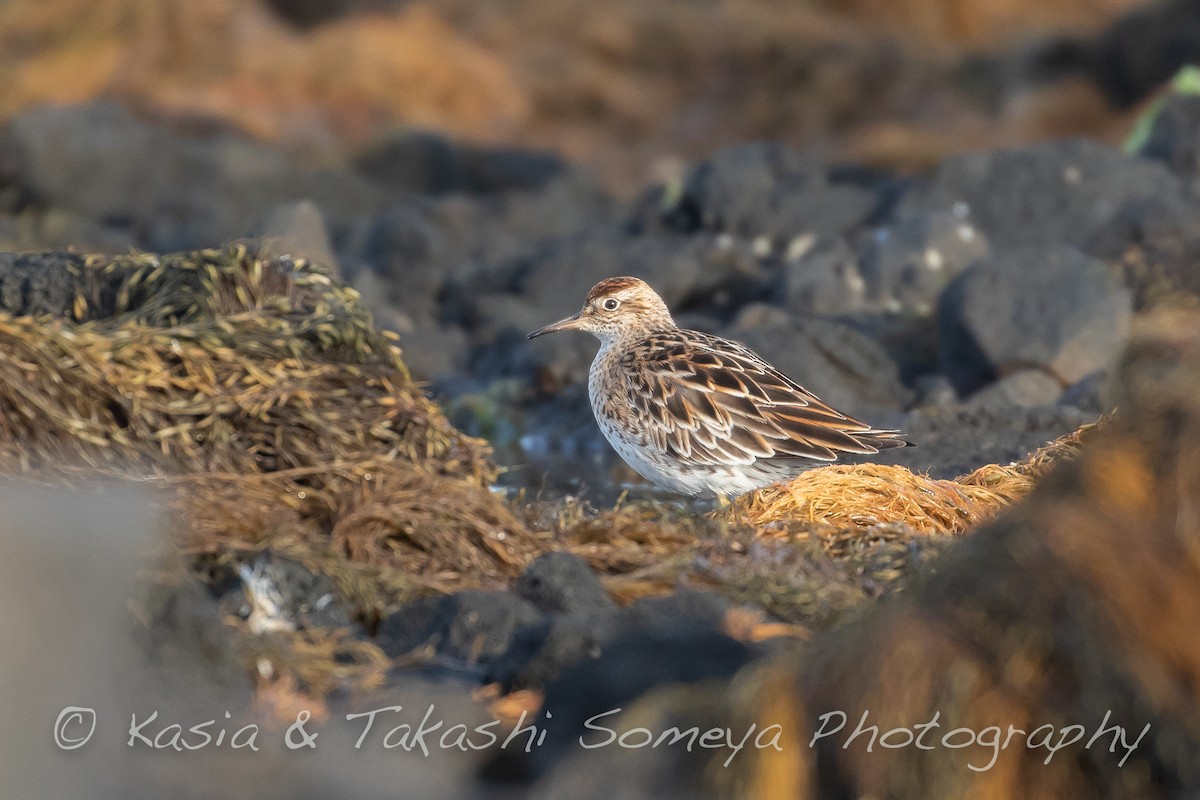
pixel 709 401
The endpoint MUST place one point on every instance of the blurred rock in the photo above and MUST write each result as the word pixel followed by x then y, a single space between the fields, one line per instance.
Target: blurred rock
pixel 472 627
pixel 275 593
pixel 298 229
pixel 424 162
pixel 934 389
pixel 562 583
pixel 1057 192
pixel 635 662
pixel 704 609
pixel 822 279
pixel 832 360
pixel 907 263
pixel 954 439
pixel 171 191
pixel 61 229
pixel 540 652
pixel 1174 137
pixel 1089 393
pixel 431 353
pixel 766 190
pixel 404 248
pixel 682 271
pixel 1025 387
pixel 1052 308
pixel 310 13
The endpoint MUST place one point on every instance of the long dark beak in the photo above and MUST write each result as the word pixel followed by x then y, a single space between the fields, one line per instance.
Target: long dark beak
pixel 567 324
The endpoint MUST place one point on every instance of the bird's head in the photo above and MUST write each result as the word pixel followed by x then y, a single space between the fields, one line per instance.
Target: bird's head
pixel 616 308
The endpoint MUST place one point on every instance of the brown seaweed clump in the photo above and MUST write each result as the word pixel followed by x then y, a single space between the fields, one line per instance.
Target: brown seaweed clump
pixel 862 495
pixel 258 394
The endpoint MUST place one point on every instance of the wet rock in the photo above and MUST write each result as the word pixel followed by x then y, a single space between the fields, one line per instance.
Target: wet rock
pixel 473 627
pixel 1066 191
pixel 908 263
pixel 766 190
pixel 562 583
pixel 273 592
pixel 834 361
pixel 1025 387
pixel 1052 308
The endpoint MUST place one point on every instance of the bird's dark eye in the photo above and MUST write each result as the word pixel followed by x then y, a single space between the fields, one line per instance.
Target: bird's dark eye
pixel 611 304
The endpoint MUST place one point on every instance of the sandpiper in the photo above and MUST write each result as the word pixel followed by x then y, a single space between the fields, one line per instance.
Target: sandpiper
pixel 695 413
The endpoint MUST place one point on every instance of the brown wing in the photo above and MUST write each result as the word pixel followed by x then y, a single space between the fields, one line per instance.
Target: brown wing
pixel 707 400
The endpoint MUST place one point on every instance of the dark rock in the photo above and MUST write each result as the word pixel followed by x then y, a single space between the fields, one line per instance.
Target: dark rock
pixel 311 13
pixel 1064 191
pixel 171 191
pixel 1025 387
pixel 430 353
pixel 33 229
pixel 562 583
pixel 423 162
pixel 1174 137
pixel 821 279
pixel 1156 240
pixel 472 626
pixel 682 271
pixel 634 662
pixel 540 652
pixel 404 248
pixel 834 361
pixel 1051 308
pixel 907 264
pixel 38 283
pixel 1143 49
pixel 1089 393
pixel 955 439
pixel 934 389
pixel 686 606
pixel 274 592
pixel 765 190
pixel 298 229
pixel 187 648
